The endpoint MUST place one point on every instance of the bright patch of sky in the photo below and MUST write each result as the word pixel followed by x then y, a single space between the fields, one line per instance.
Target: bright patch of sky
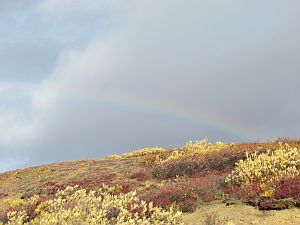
pixel 32 36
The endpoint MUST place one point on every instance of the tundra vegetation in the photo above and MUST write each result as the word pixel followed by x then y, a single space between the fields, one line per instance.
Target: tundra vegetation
pixel 153 185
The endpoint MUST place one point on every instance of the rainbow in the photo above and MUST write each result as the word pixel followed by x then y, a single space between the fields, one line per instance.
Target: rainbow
pixel 166 108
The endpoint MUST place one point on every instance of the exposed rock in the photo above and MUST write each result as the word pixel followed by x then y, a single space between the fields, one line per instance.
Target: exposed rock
pixel 276 204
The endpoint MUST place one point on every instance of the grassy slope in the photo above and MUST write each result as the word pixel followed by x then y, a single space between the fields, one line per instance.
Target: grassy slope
pixel 47 178
pixel 133 175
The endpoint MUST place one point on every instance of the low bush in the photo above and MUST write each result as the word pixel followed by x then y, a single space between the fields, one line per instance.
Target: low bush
pixel 186 193
pixel 245 193
pixel 12 202
pixel 288 188
pixel 270 166
pixel 187 205
pixel 139 175
pixel 144 152
pixel 77 206
pixel 192 149
pixel 159 155
pixel 179 167
pixel 164 196
pixel 29 207
pixel 3 216
pixel 205 187
pixel 276 204
pixel 190 165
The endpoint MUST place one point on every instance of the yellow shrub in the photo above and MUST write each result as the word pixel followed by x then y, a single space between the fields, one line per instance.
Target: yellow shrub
pixel 161 155
pixel 270 166
pixel 204 146
pixel 12 202
pixel 74 207
pixel 144 151
pixel 268 189
pixel 199 147
pixel 113 157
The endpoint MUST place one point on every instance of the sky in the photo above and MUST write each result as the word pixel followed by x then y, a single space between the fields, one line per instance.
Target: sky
pixel 83 79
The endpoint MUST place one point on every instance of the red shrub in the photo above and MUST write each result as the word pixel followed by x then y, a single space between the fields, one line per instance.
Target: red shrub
pixel 249 192
pixel 168 195
pixel 50 188
pixel 187 205
pixel 288 188
pixel 138 210
pixel 222 160
pixel 126 187
pixel 206 186
pixel 140 176
pixel 91 182
pixel 3 216
pixel 182 166
pixel 164 196
pixel 276 204
pixel 30 209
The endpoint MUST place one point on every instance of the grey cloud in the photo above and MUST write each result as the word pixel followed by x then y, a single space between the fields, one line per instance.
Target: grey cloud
pixel 8 6
pixel 27 61
pixel 231 62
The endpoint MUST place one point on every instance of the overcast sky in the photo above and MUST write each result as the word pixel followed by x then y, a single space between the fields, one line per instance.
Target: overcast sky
pixel 83 78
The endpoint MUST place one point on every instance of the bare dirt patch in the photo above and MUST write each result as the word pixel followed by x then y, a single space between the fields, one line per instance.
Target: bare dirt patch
pixel 241 214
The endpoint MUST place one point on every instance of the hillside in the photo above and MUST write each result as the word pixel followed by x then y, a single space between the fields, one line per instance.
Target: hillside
pixel 211 183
